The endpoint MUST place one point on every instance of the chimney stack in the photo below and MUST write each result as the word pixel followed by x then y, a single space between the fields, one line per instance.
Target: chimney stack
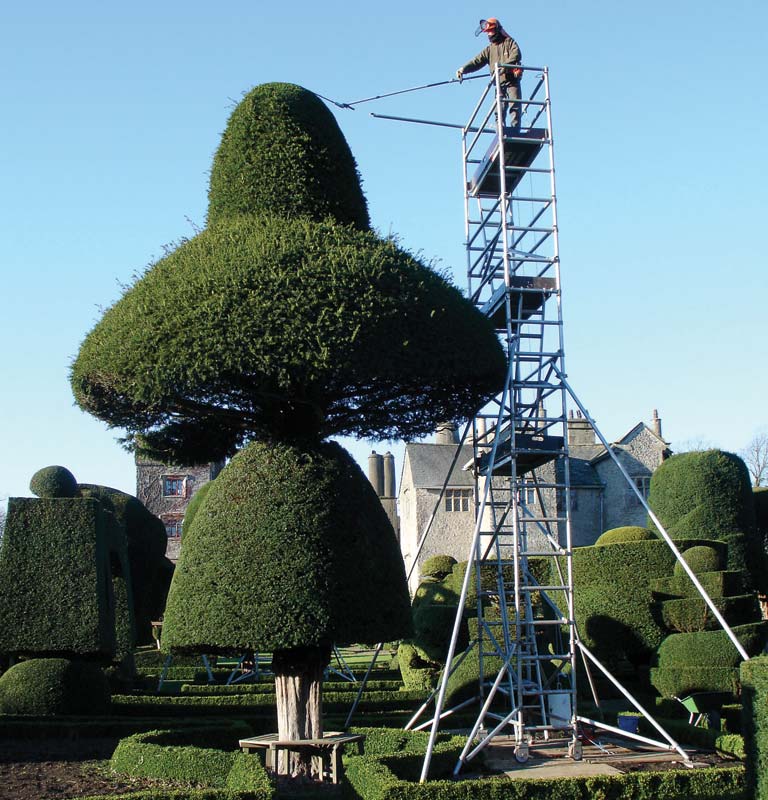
pixel 446 433
pixel 656 424
pixel 580 433
pixel 376 472
pixel 389 475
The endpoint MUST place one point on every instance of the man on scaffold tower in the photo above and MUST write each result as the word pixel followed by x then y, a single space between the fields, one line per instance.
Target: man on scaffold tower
pixel 502 49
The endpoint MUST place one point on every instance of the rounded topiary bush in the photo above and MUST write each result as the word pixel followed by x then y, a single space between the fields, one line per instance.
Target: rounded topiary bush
pixel 437 567
pixel 700 558
pixel 54 686
pixel 53 481
pixel 627 533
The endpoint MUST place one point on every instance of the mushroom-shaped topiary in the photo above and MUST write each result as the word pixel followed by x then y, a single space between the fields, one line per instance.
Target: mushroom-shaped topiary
pixel 53 481
pixel 288 328
pixel 285 322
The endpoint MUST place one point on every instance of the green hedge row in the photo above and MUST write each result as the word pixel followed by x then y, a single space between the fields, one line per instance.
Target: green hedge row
pixel 259 701
pixel 392 778
pixel 754 680
pixel 329 687
pixel 716 584
pixel 690 614
pixel 196 756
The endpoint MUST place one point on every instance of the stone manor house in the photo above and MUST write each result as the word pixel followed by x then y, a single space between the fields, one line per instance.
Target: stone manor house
pixel 600 496
pixel 601 499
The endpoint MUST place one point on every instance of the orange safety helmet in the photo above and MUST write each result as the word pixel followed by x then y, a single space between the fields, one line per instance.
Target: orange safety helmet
pixel 488 26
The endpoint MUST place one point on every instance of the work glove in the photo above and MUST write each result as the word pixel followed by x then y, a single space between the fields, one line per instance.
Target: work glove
pixel 459 75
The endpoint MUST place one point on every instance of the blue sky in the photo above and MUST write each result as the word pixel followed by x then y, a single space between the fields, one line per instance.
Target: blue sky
pixel 112 112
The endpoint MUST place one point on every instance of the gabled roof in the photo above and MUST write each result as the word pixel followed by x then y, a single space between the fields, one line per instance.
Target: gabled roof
pixel 628 437
pixel 429 464
pixel 582 473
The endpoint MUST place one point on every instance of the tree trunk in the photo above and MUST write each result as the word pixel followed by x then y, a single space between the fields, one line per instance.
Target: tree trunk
pixel 299 695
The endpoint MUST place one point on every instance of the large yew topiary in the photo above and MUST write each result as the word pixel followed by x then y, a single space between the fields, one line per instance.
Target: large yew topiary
pixel 290 328
pixel 284 322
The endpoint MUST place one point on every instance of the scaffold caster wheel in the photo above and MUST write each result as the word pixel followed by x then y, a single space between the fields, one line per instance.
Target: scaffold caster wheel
pixel 576 751
pixel 521 753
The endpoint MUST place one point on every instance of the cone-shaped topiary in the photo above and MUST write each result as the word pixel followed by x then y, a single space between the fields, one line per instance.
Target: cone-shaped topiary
pixel 309 558
pixel 54 481
pixel 52 686
pixel 284 328
pixel 282 154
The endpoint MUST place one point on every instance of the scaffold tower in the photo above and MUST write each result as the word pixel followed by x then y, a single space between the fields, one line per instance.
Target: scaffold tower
pixel 519 574
pixel 525 627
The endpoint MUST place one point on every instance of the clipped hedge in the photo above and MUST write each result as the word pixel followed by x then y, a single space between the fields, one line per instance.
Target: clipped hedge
pixel 283 153
pixel 144 541
pixel 206 756
pixel 55 579
pixel 704 661
pixel 438 567
pixel 54 686
pixel 393 778
pixel 754 681
pixel 613 599
pixel 627 533
pixel 715 584
pixel 690 614
pixel 708 494
pixel 314 561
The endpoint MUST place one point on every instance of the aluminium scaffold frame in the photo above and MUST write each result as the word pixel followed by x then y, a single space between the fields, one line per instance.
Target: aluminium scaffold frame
pixel 520 449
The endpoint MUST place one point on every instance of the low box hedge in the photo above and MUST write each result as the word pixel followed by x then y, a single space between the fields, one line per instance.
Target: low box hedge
pixel 395 778
pixel 199 756
pixel 329 687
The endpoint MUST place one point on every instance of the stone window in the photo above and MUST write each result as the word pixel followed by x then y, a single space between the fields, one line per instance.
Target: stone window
pixel 173 527
pixel 457 499
pixel 174 486
pixel 528 493
pixel 643 484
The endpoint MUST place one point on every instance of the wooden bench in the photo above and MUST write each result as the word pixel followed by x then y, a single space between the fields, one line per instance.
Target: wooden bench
pixel 328 750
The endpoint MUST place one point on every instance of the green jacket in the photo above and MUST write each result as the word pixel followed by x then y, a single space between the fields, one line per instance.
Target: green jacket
pixel 505 52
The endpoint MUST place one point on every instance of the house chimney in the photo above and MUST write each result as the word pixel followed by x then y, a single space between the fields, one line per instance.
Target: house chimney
pixel 580 433
pixel 389 475
pixel 446 433
pixel 376 472
pixel 656 424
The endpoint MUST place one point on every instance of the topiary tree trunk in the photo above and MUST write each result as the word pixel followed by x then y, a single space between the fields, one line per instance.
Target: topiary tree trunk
pixel 299 695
